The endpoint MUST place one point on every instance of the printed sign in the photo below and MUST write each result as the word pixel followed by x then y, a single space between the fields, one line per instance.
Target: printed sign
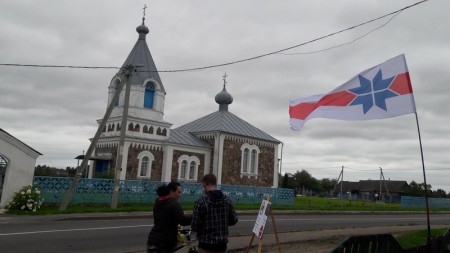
pixel 261 220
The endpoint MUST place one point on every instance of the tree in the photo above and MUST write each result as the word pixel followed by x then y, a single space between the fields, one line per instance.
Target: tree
pixel 328 184
pixel 288 181
pixel 417 190
pixel 44 170
pixel 304 179
pixel 71 171
pixel 439 193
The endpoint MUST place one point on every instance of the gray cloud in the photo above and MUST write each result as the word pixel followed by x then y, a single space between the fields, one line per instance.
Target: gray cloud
pixel 55 110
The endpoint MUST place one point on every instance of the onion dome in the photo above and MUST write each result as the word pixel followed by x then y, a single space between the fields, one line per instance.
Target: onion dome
pixel 224 98
pixel 142 30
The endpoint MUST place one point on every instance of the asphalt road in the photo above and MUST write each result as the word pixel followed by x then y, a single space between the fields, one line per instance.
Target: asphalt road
pixel 128 233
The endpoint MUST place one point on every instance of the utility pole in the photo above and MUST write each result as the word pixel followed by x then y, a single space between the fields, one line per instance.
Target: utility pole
pixel 80 169
pixel 381 182
pixel 385 185
pixel 129 69
pixel 341 177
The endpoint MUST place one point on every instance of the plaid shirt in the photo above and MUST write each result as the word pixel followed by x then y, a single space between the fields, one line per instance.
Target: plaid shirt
pixel 212 215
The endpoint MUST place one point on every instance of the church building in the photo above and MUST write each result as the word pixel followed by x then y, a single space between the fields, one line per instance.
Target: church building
pixel 237 152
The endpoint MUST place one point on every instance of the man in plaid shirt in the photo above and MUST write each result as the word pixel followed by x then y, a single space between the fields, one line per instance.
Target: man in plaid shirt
pixel 212 215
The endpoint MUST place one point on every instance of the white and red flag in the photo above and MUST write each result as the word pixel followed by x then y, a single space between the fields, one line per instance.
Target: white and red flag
pixel 383 91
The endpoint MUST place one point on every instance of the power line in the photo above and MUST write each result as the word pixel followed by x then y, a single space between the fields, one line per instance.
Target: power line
pixel 55 66
pixel 347 43
pixel 246 59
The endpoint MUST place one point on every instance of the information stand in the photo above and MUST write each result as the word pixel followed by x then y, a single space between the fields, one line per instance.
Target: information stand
pixel 258 230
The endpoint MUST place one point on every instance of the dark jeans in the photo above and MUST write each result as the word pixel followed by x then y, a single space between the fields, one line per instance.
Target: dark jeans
pixel 158 249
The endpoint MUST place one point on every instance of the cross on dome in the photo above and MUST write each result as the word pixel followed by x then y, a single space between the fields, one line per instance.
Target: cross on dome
pixel 224 79
pixel 145 7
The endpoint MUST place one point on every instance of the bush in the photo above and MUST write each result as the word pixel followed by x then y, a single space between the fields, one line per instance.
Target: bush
pixel 26 199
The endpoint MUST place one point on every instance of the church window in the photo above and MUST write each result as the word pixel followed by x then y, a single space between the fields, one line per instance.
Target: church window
pixel 144 166
pixel 253 162
pixel 245 160
pixel 249 161
pixel 130 127
pixel 146 159
pixel 183 169
pixel 149 95
pixel 192 170
pixel 188 168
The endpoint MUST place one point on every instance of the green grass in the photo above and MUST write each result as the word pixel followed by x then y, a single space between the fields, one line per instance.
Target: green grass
pixel 417 238
pixel 300 203
pixel 330 204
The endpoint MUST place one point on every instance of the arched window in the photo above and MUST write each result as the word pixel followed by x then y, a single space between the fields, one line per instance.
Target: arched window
pixel 145 164
pixel 149 95
pixel 192 170
pixel 3 162
pixel 3 165
pixel 188 168
pixel 249 162
pixel 245 160
pixel 183 170
pixel 253 162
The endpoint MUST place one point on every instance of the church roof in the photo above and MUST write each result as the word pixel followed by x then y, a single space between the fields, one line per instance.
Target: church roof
pixel 140 55
pixel 224 121
pixel 6 134
pixel 184 138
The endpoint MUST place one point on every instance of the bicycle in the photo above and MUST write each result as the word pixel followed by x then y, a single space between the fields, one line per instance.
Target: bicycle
pixel 186 244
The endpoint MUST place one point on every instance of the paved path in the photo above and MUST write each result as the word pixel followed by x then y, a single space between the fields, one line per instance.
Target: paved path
pixel 290 242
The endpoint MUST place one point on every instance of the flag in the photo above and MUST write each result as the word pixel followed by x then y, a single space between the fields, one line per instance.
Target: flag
pixel 379 92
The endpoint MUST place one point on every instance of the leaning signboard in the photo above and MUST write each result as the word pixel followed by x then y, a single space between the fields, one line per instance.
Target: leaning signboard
pixel 261 220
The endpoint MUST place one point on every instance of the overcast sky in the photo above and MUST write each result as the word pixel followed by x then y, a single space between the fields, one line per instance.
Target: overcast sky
pixel 54 110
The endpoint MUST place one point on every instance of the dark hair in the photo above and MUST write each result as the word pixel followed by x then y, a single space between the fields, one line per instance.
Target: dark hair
pixel 164 190
pixel 173 186
pixel 209 179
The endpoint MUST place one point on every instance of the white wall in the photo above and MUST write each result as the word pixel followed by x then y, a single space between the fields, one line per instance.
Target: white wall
pixel 20 168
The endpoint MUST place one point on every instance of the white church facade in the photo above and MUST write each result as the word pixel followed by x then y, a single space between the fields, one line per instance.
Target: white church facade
pixel 235 151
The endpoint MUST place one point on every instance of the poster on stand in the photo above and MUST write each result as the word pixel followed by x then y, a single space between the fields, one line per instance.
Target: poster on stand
pixel 261 220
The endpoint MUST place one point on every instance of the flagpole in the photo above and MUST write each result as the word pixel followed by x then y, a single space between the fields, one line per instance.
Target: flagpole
pixel 424 181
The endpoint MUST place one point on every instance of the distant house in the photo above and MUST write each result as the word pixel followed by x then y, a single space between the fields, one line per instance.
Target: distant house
pixel 17 163
pixel 371 189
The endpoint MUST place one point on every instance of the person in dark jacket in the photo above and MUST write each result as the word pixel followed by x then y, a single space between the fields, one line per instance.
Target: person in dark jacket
pixel 212 215
pixel 167 215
